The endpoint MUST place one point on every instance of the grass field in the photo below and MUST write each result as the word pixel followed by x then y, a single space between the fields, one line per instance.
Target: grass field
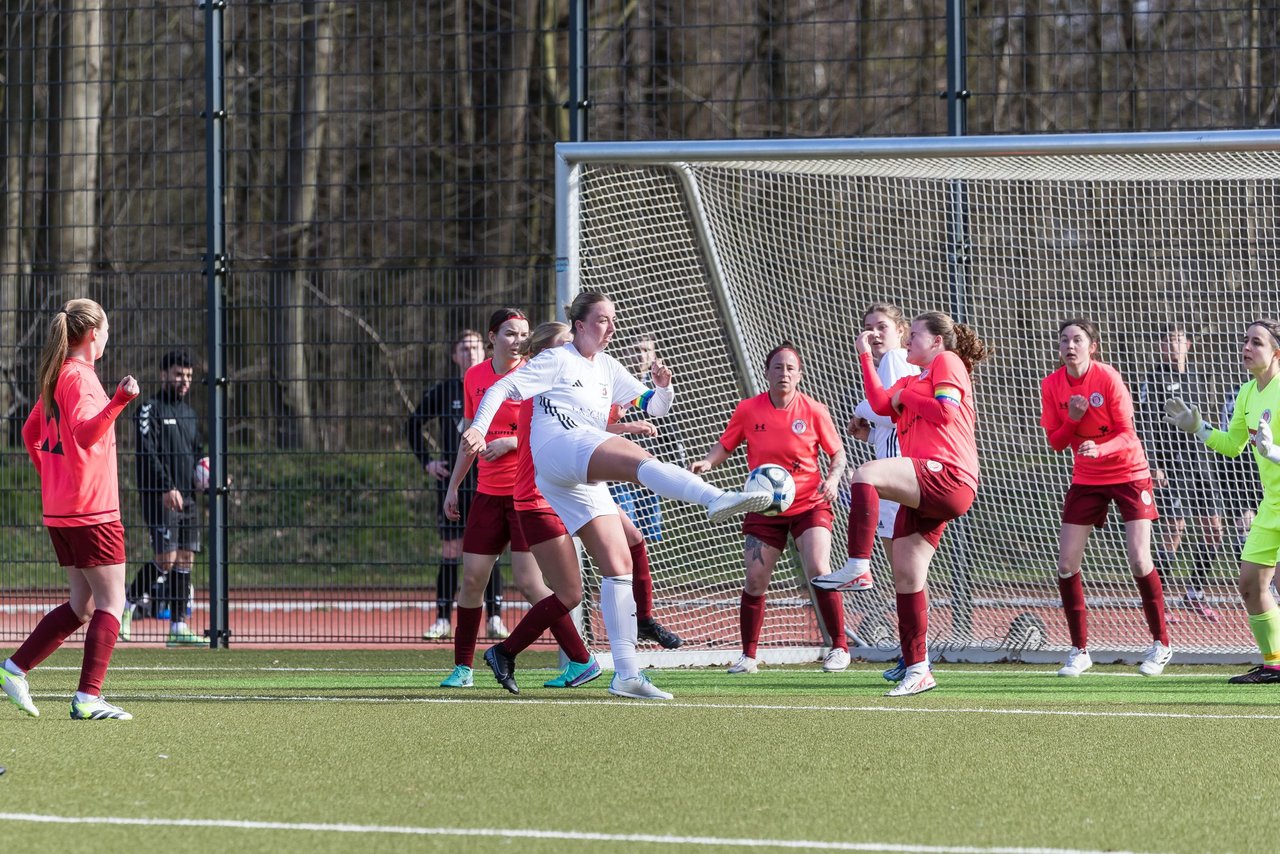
pixel 253 750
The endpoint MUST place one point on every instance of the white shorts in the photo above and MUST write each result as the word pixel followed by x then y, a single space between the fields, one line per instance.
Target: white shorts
pixel 560 471
pixel 888 515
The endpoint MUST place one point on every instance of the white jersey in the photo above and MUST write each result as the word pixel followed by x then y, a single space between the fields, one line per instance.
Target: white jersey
pixel 569 391
pixel 884 435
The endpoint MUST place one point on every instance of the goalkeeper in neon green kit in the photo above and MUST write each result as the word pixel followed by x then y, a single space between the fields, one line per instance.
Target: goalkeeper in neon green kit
pixel 1257 407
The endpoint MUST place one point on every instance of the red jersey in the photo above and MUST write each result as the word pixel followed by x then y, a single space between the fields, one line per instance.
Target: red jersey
pixel 789 436
pixel 525 493
pixel 497 477
pixel 75 450
pixel 933 424
pixel 1108 421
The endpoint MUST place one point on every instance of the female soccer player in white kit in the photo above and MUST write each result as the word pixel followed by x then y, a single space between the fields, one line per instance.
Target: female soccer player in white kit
pixel 574 387
pixel 890 328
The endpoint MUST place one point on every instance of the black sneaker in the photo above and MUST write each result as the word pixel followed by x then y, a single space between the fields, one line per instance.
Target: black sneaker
pixel 503 666
pixel 651 629
pixel 1257 676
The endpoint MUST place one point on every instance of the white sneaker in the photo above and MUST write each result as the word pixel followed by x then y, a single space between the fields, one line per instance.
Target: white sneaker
pixel 1156 658
pixel 852 576
pixel 16 687
pixel 836 660
pixel 1078 661
pixel 637 688
pixel 498 629
pixel 439 630
pixel 732 504
pixel 745 664
pixel 914 682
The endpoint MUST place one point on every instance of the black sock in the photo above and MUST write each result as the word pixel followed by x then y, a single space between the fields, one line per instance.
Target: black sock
pixel 446 588
pixel 493 592
pixel 179 594
pixel 139 591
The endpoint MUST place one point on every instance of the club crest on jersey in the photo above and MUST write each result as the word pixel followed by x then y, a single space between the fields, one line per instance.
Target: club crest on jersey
pixel 798 426
pixel 1095 399
pixel 1265 417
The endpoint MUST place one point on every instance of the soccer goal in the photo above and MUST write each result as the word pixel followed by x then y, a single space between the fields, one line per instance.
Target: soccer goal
pixel 719 250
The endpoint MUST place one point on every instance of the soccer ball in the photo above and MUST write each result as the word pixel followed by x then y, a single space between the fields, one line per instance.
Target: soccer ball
pixel 200 477
pixel 775 480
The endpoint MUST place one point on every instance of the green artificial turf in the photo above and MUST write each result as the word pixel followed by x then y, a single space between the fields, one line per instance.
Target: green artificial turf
pixel 995 758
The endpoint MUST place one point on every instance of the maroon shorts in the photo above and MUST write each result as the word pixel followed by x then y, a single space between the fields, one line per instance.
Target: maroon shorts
pixel 491 524
pixel 943 497
pixel 1087 504
pixel 773 530
pixel 540 525
pixel 89 545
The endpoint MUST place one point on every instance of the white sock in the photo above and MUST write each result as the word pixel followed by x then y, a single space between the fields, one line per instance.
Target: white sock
pixel 858 565
pixel 918 668
pixel 674 482
pixel 13 668
pixel 618 604
pixel 81 697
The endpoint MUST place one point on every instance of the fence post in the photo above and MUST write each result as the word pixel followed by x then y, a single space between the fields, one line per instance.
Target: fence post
pixel 216 272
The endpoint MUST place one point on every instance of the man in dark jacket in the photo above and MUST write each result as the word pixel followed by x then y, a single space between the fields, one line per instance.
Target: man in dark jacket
pixel 167 457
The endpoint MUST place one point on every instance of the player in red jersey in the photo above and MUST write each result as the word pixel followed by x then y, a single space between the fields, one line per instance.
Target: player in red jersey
pixel 1086 406
pixel 935 480
pixel 70 436
pixel 491 520
pixel 786 427
pixel 557 557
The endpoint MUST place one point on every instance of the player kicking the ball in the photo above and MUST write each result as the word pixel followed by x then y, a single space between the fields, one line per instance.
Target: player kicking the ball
pixel 573 388
pixel 1086 406
pixel 1252 421
pixel 935 480
pixel 786 427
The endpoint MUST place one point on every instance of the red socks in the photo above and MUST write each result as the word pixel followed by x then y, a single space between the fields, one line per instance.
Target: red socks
pixel 1152 593
pixel 750 622
pixel 1072 590
pixel 99 642
pixel 641 581
pixel 464 636
pixel 913 625
pixel 49 634
pixel 864 513
pixel 551 614
pixel 831 607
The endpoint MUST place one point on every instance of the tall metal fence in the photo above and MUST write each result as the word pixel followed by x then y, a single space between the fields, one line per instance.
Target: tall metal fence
pixel 385 181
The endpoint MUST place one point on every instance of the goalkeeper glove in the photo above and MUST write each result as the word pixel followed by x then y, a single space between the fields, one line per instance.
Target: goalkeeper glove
pixel 1186 418
pixel 1265 443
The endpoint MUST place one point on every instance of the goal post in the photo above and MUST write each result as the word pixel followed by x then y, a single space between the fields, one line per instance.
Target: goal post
pixel 717 251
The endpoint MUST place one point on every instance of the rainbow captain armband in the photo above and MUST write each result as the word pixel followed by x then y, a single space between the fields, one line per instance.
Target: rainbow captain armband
pixel 947 394
pixel 642 401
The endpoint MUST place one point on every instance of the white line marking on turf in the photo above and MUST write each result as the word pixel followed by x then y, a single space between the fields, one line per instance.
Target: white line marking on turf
pixel 566 835
pixel 757 707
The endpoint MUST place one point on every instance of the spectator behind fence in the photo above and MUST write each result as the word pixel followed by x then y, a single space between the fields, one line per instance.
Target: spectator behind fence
pixel 1185 480
pixel 444 403
pixel 168 451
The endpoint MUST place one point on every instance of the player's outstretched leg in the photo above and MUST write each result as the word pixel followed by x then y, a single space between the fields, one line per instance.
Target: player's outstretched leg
pixel 673 482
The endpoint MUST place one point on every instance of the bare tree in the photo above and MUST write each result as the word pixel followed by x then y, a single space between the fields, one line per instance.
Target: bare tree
pixel 295 214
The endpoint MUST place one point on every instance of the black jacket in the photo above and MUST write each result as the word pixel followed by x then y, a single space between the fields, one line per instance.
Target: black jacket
pixel 167 444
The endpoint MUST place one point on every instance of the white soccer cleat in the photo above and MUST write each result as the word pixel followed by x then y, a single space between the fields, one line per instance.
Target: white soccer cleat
pixel 637 688
pixel 16 687
pixel 1078 661
pixel 744 664
pixel 498 629
pixel 1156 658
pixel 836 660
pixel 914 682
pixel 439 630
pixel 852 576
pixel 732 504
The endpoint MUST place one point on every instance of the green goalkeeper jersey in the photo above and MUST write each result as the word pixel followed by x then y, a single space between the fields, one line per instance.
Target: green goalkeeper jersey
pixel 1252 406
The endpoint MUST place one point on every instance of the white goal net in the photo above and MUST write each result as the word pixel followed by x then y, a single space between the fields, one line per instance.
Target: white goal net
pixel 719 251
